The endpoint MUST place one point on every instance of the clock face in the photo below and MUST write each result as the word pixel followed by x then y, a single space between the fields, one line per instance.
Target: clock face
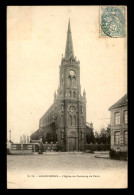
pixel 71 72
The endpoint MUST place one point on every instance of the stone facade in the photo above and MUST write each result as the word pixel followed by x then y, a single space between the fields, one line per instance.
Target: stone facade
pixel 65 120
pixel 119 128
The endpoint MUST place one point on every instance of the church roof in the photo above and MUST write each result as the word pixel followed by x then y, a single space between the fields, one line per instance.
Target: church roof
pixel 120 102
pixel 69 44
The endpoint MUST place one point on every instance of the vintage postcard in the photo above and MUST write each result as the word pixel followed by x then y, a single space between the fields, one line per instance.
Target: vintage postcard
pixel 67 97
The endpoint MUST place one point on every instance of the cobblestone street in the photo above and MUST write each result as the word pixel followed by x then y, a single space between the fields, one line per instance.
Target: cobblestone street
pixel 63 170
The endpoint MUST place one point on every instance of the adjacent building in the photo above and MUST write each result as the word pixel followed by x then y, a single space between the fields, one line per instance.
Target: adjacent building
pixel 119 127
pixel 65 121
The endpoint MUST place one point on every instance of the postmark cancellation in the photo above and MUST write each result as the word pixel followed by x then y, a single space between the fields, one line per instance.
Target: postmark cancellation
pixel 112 21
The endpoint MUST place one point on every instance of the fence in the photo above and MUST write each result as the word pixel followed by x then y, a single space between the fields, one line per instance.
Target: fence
pixel 23 148
pixel 118 155
pixel 49 147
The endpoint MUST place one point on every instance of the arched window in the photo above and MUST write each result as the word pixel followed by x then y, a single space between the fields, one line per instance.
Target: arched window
pixel 125 116
pixel 70 120
pixel 82 120
pixel 69 93
pixel 74 82
pixel 62 120
pixel 69 81
pixel 117 118
pixel 74 94
pixel 62 135
pixel 81 109
pixel 74 121
pixel 125 138
pixel 62 108
pixel 117 138
pixel 82 135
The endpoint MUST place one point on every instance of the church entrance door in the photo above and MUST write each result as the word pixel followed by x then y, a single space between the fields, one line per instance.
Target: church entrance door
pixel 72 144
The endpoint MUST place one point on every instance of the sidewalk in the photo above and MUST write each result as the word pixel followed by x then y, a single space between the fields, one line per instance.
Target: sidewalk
pixel 101 152
pixel 49 152
pixel 102 155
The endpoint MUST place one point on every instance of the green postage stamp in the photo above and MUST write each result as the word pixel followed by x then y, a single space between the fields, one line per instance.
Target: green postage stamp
pixel 112 21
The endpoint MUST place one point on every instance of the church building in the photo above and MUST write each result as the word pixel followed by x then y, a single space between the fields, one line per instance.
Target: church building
pixel 64 122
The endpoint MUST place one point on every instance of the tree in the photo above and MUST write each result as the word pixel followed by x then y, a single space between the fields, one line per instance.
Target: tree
pixel 90 138
pixel 103 137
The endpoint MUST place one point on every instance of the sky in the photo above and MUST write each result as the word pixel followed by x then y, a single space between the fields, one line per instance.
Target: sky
pixel 36 38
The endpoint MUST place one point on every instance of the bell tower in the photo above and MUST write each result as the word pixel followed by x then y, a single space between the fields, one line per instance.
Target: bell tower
pixel 69 70
pixel 72 102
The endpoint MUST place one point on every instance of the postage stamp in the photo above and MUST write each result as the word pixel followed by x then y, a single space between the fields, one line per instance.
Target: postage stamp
pixel 112 21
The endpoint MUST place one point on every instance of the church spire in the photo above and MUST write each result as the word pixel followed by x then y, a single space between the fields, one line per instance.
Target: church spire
pixel 69 44
pixel 84 93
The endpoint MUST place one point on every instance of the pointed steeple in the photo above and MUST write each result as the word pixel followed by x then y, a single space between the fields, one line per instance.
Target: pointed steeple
pixel 84 93
pixel 69 53
pixel 54 95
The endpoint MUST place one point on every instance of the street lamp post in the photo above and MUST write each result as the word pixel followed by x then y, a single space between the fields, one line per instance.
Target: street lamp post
pixel 41 143
pixel 40 132
pixel 10 135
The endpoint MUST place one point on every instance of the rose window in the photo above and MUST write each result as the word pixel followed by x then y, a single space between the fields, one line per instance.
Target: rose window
pixel 71 110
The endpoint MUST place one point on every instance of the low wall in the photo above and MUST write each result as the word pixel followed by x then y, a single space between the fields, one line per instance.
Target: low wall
pixel 21 151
